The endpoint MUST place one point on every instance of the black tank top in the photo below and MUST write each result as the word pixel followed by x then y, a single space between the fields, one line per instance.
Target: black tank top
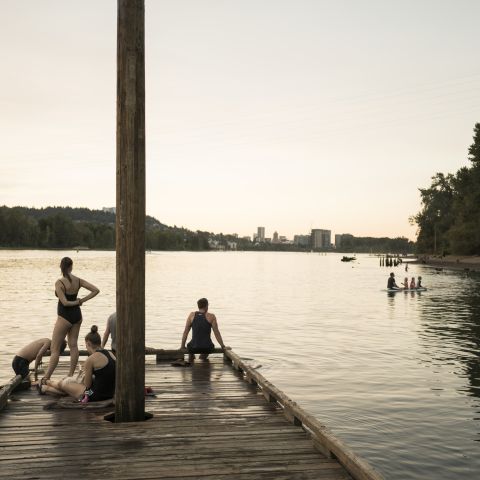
pixel 201 331
pixel 103 385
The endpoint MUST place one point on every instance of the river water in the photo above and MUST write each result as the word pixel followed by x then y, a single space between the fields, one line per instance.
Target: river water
pixel 396 376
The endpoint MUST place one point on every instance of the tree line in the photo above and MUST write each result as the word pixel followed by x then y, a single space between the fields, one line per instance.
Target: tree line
pixel 449 220
pixel 55 227
pixel 68 227
pixel 352 244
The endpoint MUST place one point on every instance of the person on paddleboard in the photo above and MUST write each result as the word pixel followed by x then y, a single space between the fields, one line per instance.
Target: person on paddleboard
pixel 391 285
pixel 412 283
pixel 405 283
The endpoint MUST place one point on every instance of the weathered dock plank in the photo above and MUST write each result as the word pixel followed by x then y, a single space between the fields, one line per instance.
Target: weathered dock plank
pixel 6 390
pixel 208 424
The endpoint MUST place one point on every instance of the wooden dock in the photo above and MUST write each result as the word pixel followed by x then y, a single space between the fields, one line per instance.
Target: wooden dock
pixel 211 421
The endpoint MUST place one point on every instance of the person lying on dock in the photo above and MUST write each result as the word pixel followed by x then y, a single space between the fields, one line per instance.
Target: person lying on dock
pixel 391 285
pixel 33 351
pixel 201 323
pixel 99 380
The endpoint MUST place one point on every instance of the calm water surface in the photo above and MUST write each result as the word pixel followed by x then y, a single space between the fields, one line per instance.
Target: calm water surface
pixel 397 376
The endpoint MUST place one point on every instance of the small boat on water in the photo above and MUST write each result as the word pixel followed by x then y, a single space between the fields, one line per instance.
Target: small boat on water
pixel 347 259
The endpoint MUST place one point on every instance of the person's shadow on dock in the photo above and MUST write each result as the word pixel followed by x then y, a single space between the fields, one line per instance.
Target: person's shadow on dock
pixel 199 374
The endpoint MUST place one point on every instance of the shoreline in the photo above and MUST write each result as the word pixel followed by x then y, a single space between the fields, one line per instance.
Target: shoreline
pixel 469 263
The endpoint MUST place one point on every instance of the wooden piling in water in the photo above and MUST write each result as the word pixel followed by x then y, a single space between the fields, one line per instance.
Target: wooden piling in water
pixel 130 212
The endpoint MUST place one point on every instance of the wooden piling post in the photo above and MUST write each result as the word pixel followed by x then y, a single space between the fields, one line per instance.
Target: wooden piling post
pixel 130 212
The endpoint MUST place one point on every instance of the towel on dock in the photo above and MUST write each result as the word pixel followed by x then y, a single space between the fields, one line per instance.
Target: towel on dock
pixel 72 403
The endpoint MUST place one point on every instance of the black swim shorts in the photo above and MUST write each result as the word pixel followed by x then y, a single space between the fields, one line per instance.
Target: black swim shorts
pixel 20 366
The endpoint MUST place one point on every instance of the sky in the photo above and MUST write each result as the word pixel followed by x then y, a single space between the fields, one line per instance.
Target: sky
pixel 290 115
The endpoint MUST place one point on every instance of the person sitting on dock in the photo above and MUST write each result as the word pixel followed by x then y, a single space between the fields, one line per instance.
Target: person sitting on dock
pixel 391 285
pixel 201 323
pixel 99 380
pixel 33 351
pixel 111 329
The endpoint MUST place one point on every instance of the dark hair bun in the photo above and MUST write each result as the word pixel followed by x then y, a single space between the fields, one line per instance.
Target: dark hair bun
pixel 94 329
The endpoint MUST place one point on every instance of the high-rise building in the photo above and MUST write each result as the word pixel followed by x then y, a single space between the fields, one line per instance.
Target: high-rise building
pixel 260 234
pixel 302 240
pixel 275 237
pixel 338 240
pixel 321 238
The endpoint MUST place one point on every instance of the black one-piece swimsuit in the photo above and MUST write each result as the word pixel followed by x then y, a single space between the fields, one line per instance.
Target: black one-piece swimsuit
pixel 70 314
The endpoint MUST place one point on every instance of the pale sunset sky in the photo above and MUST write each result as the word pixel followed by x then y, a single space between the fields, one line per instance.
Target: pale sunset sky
pixel 291 115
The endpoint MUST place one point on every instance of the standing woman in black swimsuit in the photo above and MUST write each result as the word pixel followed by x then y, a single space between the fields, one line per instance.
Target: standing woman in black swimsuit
pixel 69 315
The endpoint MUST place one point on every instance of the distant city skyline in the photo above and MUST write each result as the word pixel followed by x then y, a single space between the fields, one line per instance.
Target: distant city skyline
pixel 325 113
pixel 318 237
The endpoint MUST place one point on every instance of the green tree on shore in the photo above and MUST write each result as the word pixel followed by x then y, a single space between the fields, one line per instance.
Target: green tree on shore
pixel 449 221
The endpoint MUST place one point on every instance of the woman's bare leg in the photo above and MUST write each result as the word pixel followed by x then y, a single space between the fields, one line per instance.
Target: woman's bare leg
pixel 55 384
pixel 75 390
pixel 59 332
pixel 49 388
pixel 72 338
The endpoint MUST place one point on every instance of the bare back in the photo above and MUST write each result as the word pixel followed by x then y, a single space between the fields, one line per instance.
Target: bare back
pixel 69 287
pixel 30 351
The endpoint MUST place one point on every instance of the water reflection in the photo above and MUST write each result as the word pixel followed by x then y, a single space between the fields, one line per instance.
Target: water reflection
pixel 451 328
pixel 394 375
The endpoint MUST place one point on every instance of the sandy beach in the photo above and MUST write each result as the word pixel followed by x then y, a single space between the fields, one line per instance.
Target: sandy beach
pixel 455 262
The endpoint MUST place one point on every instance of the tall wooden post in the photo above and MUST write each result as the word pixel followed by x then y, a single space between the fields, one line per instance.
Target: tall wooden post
pixel 130 223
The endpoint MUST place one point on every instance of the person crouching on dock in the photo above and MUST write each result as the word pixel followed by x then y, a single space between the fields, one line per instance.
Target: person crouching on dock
pixel 33 351
pixel 201 323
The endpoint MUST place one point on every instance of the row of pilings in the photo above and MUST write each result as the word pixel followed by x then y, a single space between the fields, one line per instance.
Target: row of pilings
pixel 390 260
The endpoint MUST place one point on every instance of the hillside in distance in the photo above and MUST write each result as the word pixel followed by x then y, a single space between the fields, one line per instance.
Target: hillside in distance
pixel 69 227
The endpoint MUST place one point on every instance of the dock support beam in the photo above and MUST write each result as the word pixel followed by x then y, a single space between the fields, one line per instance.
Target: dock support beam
pixel 130 212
